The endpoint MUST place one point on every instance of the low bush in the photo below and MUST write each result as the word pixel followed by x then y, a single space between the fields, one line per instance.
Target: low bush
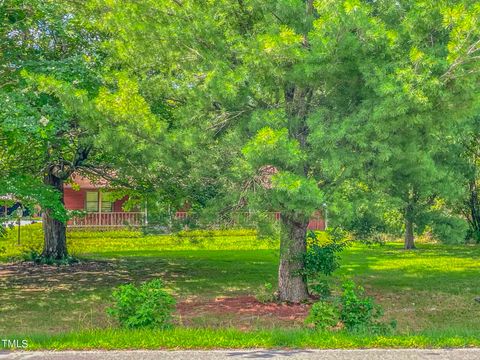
pixel 322 255
pixel 145 306
pixel 357 311
pixel 352 309
pixel 322 259
pixel 323 315
pixel 37 258
pixel 321 288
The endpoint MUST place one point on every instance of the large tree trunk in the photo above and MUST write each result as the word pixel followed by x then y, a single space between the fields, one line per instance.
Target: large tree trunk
pixel 55 234
pixel 292 285
pixel 474 207
pixel 409 236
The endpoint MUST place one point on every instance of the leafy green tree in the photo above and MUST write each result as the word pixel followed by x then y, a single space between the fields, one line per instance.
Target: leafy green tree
pixel 46 140
pixel 293 97
pixel 67 108
pixel 471 207
pixel 229 65
pixel 420 74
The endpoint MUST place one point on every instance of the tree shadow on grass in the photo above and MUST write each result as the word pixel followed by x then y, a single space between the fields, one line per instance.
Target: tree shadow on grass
pixel 205 273
pixel 60 298
pixel 50 298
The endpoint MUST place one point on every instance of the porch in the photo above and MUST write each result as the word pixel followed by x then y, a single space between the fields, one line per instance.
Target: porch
pixel 137 219
pixel 316 223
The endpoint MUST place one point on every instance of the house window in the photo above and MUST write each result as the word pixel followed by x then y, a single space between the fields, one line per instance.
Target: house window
pixel 107 202
pixel 95 198
pixel 92 201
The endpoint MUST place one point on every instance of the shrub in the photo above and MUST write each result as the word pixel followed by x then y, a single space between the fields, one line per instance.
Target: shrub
pixel 37 258
pixel 322 289
pixel 473 235
pixel 355 311
pixel 322 259
pixel 265 293
pixel 323 315
pixel 449 229
pixel 368 224
pixel 322 256
pixel 145 306
pixel 359 312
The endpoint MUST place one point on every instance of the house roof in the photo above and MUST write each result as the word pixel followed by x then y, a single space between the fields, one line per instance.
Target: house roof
pixel 264 176
pixel 85 183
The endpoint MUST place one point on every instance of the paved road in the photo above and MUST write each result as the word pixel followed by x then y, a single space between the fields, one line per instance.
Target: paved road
pixel 22 222
pixel 411 354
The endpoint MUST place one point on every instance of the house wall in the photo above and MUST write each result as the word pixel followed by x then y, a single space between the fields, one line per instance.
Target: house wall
pixel 117 205
pixel 316 224
pixel 75 200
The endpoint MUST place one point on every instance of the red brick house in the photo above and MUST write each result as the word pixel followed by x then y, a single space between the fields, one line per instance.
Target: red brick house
pixel 96 206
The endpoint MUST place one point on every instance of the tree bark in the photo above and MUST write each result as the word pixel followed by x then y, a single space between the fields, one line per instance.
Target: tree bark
pixel 474 205
pixel 55 231
pixel 292 285
pixel 409 237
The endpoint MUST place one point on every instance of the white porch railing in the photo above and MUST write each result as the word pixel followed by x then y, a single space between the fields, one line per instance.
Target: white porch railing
pixel 136 219
pixel 317 222
pixel 108 219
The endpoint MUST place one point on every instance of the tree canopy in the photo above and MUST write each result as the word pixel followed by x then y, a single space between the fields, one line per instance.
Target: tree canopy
pixel 269 105
pixel 366 93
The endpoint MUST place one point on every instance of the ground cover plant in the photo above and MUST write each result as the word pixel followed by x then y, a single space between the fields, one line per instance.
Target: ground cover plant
pixel 430 292
pixel 351 310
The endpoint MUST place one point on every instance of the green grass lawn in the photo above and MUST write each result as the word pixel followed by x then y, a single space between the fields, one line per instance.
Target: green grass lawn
pixel 430 291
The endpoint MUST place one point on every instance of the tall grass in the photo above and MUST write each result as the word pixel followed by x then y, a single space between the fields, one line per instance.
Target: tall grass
pixel 232 339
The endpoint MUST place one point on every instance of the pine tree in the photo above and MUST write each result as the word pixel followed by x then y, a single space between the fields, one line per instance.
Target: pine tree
pixel 299 96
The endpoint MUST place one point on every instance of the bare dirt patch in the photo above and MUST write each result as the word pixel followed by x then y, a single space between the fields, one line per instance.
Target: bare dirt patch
pixel 240 311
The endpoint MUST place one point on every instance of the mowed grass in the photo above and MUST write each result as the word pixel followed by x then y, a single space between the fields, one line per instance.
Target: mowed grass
pixel 60 299
pixel 431 288
pixel 430 291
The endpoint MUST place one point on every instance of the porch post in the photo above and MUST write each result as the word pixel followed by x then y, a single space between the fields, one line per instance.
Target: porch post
pixel 100 207
pixel 145 214
pixel 325 215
